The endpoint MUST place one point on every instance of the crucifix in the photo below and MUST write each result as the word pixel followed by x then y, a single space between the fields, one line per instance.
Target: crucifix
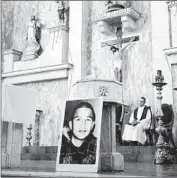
pixel 117 48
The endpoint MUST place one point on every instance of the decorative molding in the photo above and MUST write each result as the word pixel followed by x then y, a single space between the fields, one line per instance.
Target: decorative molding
pixel 114 16
pixel 127 17
pixel 97 80
pixel 37 74
pixel 103 90
pixel 59 28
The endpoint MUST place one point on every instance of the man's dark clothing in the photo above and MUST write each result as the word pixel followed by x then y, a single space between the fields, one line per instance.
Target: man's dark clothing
pixel 143 116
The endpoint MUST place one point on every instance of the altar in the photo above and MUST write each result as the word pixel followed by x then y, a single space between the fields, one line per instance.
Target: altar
pixel 114 110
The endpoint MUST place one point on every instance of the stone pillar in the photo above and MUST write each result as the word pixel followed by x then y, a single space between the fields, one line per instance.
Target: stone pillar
pixel 11 134
pixel 78 22
pixel 172 9
pixel 171 54
pixel 9 57
pixel 36 140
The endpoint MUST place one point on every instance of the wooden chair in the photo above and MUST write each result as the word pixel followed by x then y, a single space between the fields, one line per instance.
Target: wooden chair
pixel 168 120
pixel 149 131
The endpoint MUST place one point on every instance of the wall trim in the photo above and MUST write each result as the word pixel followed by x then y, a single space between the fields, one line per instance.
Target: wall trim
pixel 37 74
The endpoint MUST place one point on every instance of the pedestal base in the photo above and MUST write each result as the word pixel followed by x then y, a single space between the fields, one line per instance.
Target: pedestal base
pixel 29 57
pixel 165 156
pixel 111 162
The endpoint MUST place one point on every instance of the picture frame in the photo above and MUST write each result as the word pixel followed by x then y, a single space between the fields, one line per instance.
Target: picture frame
pixel 72 161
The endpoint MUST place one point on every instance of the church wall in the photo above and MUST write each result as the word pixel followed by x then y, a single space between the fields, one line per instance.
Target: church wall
pixel 137 64
pixel 160 41
pixel 51 99
pixel 7 25
pixel 141 60
pixel 52 94
pixel 137 59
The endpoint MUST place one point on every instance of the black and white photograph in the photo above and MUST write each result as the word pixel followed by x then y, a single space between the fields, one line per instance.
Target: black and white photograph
pixel 80 136
pixel 88 88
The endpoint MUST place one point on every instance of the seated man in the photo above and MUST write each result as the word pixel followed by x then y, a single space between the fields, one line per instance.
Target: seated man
pixel 139 122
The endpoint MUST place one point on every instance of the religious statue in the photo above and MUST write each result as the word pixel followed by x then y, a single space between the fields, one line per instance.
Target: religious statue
pixel 33 37
pixel 116 5
pixel 62 12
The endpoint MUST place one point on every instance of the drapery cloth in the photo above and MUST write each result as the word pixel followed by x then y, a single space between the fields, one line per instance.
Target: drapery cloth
pixel 18 104
pixel 137 133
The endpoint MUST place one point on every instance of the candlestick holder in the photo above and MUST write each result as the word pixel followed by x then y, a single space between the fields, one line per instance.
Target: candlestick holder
pixel 163 153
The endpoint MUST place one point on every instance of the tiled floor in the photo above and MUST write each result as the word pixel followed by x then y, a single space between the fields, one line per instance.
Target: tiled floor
pixel 132 169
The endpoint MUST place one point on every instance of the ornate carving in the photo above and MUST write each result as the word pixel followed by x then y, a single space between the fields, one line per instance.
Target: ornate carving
pixel 113 17
pixel 58 28
pixel 33 47
pixel 115 5
pixel 103 90
pixel 163 154
pixel 159 77
pixel 127 17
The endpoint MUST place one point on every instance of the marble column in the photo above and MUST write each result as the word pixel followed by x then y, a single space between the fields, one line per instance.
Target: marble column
pixel 78 34
pixel 171 54
pixel 36 140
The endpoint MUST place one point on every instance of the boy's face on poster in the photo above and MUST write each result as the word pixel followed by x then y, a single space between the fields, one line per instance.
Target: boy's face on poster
pixel 82 123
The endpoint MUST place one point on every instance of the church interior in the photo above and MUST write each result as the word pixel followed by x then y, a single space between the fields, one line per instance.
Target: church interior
pixel 121 52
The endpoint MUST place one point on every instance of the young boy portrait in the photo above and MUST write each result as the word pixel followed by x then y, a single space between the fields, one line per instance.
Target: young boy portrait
pixel 78 144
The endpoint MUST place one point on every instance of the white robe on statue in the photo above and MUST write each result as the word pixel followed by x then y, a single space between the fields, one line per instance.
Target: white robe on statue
pixel 137 133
